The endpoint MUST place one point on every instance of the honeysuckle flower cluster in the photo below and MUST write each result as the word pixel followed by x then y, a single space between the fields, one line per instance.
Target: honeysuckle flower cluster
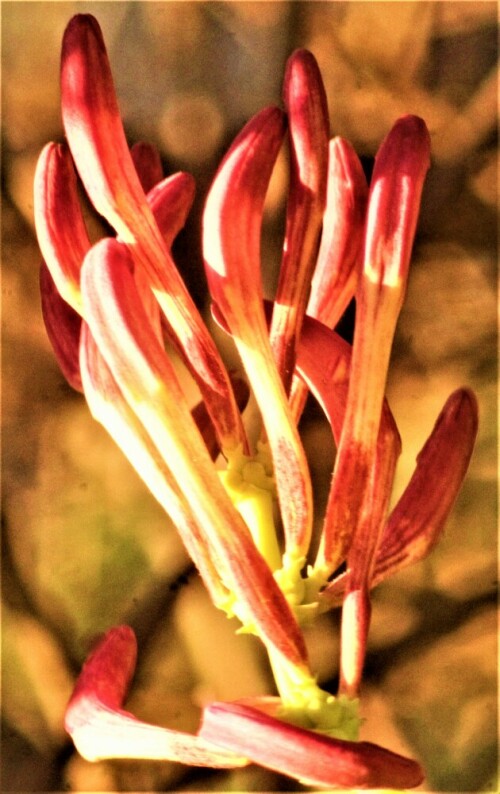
pixel 114 308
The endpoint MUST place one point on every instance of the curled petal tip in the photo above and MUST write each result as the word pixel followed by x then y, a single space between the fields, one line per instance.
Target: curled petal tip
pixel 335 277
pixel 147 161
pixel 406 147
pixel 78 30
pixel 463 406
pixel 401 164
pixel 303 78
pixel 108 670
pixel 305 100
pixel 101 729
pixel 233 211
pixel 170 201
pixel 60 227
pixel 94 129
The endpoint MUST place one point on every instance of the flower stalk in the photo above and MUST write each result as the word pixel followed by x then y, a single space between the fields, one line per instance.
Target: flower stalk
pixel 242 500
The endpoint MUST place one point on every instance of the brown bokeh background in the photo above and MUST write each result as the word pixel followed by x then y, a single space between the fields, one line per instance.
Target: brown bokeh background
pixel 84 547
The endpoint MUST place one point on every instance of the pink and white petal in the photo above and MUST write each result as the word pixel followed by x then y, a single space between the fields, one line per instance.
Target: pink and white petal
pixel 308 124
pixel 109 407
pixel 101 729
pixel 396 187
pixel 307 756
pixel 93 126
pixel 336 274
pixel 96 137
pixel 144 374
pixel 337 269
pixel 394 200
pixel 231 248
pixel 62 235
pixel 401 165
pixel 237 194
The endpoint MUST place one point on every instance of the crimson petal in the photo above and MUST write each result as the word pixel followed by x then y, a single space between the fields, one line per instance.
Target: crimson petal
pixel 61 232
pixel 63 325
pixel 418 518
pixel 97 140
pixel 231 248
pixel 417 521
pixel 170 201
pixel 100 728
pixel 306 105
pixel 137 360
pixel 147 161
pixel 313 759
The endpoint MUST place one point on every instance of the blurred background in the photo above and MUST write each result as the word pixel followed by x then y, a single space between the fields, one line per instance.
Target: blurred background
pixel 84 545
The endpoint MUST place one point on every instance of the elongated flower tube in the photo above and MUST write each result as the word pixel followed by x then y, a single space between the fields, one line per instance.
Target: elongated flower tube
pixel 231 247
pixel 397 182
pixel 149 384
pixel 335 276
pixel 241 496
pixel 100 727
pixel 109 407
pixel 395 191
pixel 313 759
pixel 305 102
pixel 96 138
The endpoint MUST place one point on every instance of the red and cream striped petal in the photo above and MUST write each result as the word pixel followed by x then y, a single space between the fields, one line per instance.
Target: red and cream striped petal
pixel 417 521
pixel 109 407
pixel 231 248
pixel 336 274
pixel 400 168
pixel 101 729
pixel 130 345
pixel 97 140
pixel 308 125
pixel 62 235
pixel 310 757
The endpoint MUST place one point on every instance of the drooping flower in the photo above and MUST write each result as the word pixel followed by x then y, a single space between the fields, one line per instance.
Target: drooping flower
pixel 108 308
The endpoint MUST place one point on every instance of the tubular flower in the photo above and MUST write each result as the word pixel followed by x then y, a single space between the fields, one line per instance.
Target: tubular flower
pixel 108 309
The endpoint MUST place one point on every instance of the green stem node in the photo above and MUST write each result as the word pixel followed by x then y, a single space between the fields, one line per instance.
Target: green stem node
pixel 308 706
